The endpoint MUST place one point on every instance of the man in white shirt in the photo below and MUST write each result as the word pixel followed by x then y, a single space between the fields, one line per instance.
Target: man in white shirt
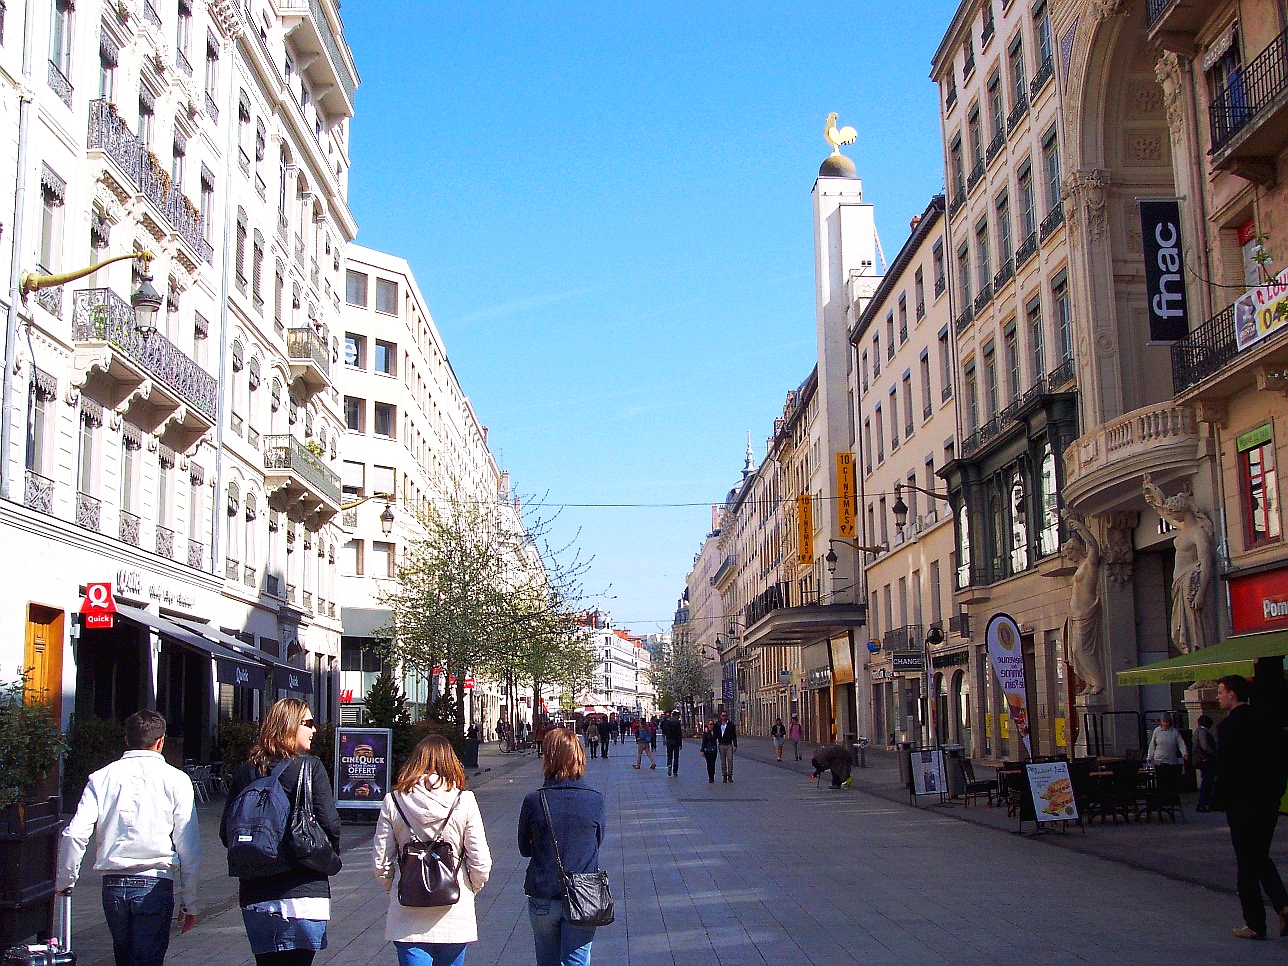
pixel 146 819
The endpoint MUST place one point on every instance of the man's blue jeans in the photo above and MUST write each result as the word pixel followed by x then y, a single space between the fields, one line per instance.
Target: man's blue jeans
pixel 558 942
pixel 138 911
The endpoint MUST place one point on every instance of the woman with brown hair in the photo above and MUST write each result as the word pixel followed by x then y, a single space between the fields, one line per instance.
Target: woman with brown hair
pixel 577 812
pixel 429 803
pixel 286 912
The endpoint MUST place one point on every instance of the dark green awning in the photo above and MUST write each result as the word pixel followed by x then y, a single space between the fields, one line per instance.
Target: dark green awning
pixel 1234 655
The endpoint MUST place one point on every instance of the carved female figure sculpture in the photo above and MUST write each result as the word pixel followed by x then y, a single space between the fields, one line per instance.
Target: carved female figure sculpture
pixel 1192 575
pixel 1082 629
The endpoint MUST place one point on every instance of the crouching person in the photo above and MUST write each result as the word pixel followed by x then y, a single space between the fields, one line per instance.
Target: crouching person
pixel 836 759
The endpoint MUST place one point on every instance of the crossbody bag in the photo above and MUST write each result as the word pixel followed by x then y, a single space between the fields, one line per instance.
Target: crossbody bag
pixel 586 900
pixel 427 870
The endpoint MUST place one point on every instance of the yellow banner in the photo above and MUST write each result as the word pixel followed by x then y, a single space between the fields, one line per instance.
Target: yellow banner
pixel 805 528
pixel 1006 725
pixel 1061 733
pixel 988 726
pixel 846 494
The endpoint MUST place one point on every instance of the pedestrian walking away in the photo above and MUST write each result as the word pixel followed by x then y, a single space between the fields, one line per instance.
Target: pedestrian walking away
pixel 778 733
pixel 836 759
pixel 1204 759
pixel 286 904
pixel 144 814
pixel 643 747
pixel 709 750
pixel 673 733
pixel 577 814
pixel 592 738
pixel 1168 752
pixel 727 740
pixel 427 805
pixel 797 734
pixel 652 732
pixel 1252 770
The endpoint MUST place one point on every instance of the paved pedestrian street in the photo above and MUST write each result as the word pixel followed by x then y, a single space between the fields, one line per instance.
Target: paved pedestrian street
pixel 773 870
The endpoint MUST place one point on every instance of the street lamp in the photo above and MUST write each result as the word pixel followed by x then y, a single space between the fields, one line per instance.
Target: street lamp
pixel 147 303
pixel 831 558
pixel 146 300
pixel 901 508
pixel 387 519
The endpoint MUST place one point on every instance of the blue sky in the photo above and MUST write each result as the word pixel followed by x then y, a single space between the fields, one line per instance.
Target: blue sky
pixel 608 210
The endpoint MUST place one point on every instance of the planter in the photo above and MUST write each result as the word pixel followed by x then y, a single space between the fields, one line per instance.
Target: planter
pixel 28 863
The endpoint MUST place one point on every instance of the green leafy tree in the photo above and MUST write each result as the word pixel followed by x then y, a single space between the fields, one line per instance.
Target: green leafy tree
pixel 385 703
pixel 680 674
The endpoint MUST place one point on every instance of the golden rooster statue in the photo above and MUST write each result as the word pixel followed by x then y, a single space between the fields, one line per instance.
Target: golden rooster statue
pixel 837 136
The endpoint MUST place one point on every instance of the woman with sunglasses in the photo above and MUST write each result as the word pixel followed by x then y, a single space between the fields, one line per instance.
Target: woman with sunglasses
pixel 286 913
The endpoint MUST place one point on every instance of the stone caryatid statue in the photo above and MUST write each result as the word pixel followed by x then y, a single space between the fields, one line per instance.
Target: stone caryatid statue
pixel 1082 629
pixel 1192 575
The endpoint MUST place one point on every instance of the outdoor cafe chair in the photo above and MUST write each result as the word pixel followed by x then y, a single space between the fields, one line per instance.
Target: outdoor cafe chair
pixel 975 788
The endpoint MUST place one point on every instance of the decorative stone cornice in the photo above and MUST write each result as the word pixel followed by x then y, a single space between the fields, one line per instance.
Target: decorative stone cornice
pixel 1085 194
pixel 224 15
pixel 1218 414
pixel 1104 9
pixel 1119 555
pixel 1168 74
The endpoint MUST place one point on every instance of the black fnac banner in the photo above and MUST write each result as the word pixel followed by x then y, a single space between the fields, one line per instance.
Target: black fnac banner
pixel 1160 230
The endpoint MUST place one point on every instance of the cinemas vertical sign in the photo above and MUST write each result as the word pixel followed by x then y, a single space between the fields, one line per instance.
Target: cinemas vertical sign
pixel 1160 231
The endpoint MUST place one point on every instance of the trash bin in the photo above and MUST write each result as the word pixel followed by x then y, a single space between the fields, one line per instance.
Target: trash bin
pixel 905 762
pixel 471 759
pixel 953 757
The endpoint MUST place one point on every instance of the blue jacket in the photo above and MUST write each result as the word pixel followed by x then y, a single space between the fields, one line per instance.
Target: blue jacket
pixel 578 813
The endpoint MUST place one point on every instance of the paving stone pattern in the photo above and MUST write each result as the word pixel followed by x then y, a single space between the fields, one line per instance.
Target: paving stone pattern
pixel 772 870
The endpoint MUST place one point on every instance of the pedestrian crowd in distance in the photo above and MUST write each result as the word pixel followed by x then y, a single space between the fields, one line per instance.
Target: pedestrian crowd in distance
pixel 430 851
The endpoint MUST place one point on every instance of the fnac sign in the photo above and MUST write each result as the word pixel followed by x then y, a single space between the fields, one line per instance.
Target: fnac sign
pixel 98 605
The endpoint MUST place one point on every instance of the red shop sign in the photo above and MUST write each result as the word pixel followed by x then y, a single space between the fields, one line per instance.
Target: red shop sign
pixel 1259 602
pixel 98 605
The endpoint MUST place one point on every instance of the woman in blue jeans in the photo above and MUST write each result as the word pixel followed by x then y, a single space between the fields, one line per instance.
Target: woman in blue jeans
pixel 577 811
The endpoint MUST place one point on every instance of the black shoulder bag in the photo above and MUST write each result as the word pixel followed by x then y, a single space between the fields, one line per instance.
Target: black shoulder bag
pixel 309 843
pixel 586 900
pixel 427 870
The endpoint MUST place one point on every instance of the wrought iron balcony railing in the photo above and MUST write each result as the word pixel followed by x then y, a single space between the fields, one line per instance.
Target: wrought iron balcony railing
pixel 1053 220
pixel 59 84
pixel 1258 87
pixel 283 227
pixel 88 511
pixel 907 638
pixel 181 59
pixel 288 453
pixel 1028 248
pixel 1154 9
pixel 272 585
pixel 1004 274
pixel 958 202
pixel 983 298
pixel 231 568
pixel 1017 113
pixel 921 310
pixel 248 575
pixel 941 285
pixel 1204 351
pixel 947 393
pixel 100 315
pixel 196 555
pixel 1060 376
pixel 51 300
pixel 109 133
pixel 129 528
pixel 995 146
pixel 306 343
pixel 150 14
pixel 990 429
pixel 1046 71
pixel 976 176
pixel 212 109
pixel 165 542
pixel 38 492
pixel 966 318
pixel 970 444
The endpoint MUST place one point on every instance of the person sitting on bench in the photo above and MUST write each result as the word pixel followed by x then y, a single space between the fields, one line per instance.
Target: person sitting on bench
pixel 836 759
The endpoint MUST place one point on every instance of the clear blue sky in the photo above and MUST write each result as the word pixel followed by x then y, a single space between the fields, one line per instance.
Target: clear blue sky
pixel 607 207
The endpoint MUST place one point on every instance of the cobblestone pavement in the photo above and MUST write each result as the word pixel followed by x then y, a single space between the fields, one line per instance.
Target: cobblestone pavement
pixel 773 870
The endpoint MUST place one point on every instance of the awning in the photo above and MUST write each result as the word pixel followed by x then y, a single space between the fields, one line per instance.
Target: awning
pixel 239 665
pixel 286 677
pixel 231 666
pixel 1234 655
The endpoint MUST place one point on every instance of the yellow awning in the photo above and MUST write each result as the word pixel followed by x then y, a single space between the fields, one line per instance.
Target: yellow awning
pixel 1234 655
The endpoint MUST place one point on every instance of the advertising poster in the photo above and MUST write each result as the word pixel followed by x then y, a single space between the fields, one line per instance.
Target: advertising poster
pixel 1006 655
pixel 362 766
pixel 1261 311
pixel 1160 229
pixel 1052 791
pixel 928 773
pixel 846 498
pixel 805 528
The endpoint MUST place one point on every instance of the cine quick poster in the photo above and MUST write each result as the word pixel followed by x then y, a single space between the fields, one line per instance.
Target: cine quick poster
pixel 362 766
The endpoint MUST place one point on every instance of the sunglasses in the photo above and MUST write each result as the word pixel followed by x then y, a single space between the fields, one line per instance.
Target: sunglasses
pixel 308 723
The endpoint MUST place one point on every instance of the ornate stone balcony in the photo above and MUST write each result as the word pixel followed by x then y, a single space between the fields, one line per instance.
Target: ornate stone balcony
pixel 165 542
pixel 303 487
pixel 38 492
pixel 196 555
pixel 129 531
pixel 310 359
pixel 166 392
pixel 331 70
pixel 1102 468
pixel 88 511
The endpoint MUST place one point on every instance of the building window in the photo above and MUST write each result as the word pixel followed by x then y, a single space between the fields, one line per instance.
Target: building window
pixel 257 271
pixel 351 560
pixel 87 458
pixel 863 369
pixel 386 420
pixel 963 273
pixel 386 358
pixel 129 471
pixel 1063 315
pixel 972 399
pixel 207 202
pixel 996 112
pixel 894 419
pixel 990 379
pixel 890 335
pixel 919 290
pixel 876 355
pixel 386 296
pixel 147 115
pixel 1028 203
pixel 1003 210
pixel 354 409
pixel 239 255
pixel 1049 536
pixel 903 317
pixel 1012 363
pixel 927 399
pixel 867 443
pixel 963 547
pixel 945 365
pixel 907 405
pixel 384 563
pixel 108 57
pixel 880 436
pixel 958 168
pixel 976 132
pixel 355 350
pixel 355 289
pixel 382 480
pixel 1259 483
pixel 982 261
pixel 1019 83
pixel 212 72
pixel 1051 168
pixel 941 269
pixel 42 426
pixel 1037 355
pixel 60 37
pixel 1042 34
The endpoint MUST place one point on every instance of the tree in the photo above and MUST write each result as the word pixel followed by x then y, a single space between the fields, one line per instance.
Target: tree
pixel 385 702
pixel 681 672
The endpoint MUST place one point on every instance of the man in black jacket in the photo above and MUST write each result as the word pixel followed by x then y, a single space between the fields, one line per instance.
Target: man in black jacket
pixel 673 733
pixel 1250 780
pixel 727 739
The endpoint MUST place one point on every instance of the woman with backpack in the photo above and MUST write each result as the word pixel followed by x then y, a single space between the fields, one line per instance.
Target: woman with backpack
pixel 285 903
pixel 428 805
